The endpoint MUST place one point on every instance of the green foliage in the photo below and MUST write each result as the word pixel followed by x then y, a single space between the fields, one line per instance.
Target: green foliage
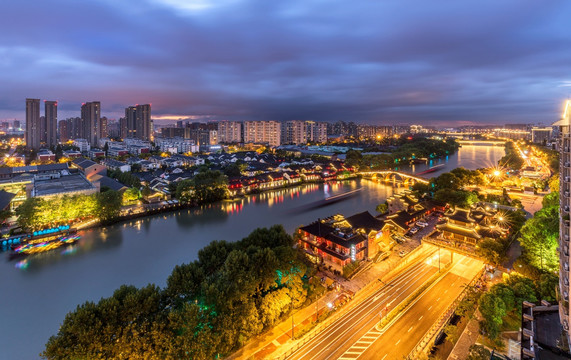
pixel 459 198
pixel 479 352
pixel 493 309
pixel 349 269
pixel 512 159
pixel 207 186
pixel 38 213
pixel 539 235
pixel 382 208
pixel 505 298
pixel 130 195
pixel 452 333
pixel 125 177
pixel 107 205
pixel 492 250
pixel 234 291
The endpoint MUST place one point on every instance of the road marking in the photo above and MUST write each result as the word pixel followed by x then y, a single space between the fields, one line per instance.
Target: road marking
pixel 359 347
pixel 438 299
pixel 384 357
pixel 445 291
pixel 420 317
pixel 430 307
pixel 397 342
pixel 353 352
pixel 409 329
pixel 453 283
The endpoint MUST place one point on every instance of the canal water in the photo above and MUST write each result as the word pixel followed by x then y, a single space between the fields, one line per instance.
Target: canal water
pixel 36 293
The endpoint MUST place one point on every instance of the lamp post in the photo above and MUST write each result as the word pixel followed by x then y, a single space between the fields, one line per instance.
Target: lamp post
pixel 439 259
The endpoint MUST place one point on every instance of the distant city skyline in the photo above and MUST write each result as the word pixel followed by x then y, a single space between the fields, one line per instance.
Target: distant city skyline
pixel 474 62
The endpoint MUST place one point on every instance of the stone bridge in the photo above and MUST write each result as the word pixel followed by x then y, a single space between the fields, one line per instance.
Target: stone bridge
pixel 395 177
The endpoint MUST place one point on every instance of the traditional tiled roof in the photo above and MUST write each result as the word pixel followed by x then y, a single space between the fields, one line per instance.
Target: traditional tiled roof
pixel 5 199
pixel 365 220
pixel 471 233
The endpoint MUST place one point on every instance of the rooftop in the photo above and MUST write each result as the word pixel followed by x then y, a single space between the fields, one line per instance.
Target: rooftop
pixel 63 184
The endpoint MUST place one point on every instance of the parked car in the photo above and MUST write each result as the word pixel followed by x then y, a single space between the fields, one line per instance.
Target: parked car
pixel 402 253
pixel 422 223
pixel 414 230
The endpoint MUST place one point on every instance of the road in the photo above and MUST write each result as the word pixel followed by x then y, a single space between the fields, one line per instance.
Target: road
pixel 400 339
pixel 356 322
pixel 354 335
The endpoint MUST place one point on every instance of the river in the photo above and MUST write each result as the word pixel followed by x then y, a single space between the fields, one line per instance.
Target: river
pixel 35 294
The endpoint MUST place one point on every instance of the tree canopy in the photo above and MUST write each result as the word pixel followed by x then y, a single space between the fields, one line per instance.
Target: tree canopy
pixel 209 307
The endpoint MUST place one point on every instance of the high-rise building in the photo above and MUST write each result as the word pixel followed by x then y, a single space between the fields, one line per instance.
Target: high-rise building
pixel 294 132
pixel 564 144
pixel 16 125
pixel 32 133
pixel 63 131
pixel 316 131
pixel 262 132
pixel 50 113
pixel 90 118
pixel 43 130
pixel 102 128
pixel 229 132
pixel 137 123
pixel 541 135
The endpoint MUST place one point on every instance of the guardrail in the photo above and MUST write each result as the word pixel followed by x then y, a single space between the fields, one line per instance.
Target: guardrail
pixel 439 324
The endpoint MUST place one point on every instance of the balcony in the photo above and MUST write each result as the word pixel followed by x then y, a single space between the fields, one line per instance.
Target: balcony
pixel 566 266
pixel 566 238
pixel 566 193
pixel 566 208
pixel 566 179
pixel 567 164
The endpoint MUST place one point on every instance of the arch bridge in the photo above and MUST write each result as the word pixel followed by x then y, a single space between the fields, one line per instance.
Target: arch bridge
pixel 395 177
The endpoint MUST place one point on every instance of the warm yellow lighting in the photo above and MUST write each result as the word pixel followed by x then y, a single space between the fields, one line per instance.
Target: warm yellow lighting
pixel 497 173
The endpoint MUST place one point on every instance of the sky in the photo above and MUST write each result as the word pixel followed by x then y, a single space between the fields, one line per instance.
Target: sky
pixel 436 62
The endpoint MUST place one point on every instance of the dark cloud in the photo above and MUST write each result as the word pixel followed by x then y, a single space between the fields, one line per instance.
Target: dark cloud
pixel 379 62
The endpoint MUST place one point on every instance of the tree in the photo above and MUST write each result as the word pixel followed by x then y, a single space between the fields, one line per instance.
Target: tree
pixel 382 208
pixel 452 333
pixel 184 191
pixel 130 195
pixel 479 352
pixel 353 158
pixel 492 250
pixel 108 205
pixel 447 181
pixel 493 309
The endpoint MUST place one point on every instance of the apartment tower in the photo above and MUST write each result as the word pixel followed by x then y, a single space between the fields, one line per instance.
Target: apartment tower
pixel 564 144
pixel 32 134
pixel 50 114
pixel 90 119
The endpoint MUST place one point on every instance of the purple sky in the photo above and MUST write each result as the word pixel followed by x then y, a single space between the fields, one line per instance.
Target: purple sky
pixel 430 62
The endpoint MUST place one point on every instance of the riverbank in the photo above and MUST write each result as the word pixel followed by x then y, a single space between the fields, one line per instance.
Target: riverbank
pixel 144 250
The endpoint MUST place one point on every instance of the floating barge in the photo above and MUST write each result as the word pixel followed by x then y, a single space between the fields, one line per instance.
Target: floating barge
pixel 36 237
